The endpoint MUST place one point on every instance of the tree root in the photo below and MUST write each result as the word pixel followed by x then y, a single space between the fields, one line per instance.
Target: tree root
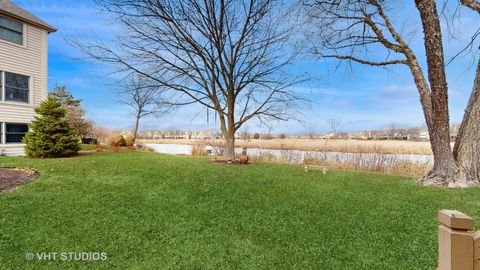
pixel 456 181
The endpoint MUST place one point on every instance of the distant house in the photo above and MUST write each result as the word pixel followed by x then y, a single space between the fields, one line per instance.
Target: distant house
pixel 178 134
pixel 424 135
pixel 23 73
pixel 358 135
pixel 329 136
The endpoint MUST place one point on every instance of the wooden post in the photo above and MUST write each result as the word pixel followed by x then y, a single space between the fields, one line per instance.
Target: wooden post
pixel 455 241
pixel 476 250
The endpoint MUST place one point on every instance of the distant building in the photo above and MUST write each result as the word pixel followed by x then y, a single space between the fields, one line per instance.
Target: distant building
pixel 178 134
pixel 424 135
pixel 329 136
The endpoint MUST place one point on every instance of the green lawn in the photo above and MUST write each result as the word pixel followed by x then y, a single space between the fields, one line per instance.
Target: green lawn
pixel 150 211
pixel 87 147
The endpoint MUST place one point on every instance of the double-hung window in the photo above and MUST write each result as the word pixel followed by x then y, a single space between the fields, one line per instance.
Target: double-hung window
pixel 12 132
pixel 14 87
pixel 11 30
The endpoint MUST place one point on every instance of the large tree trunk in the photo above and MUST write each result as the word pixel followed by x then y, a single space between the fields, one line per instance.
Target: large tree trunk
pixel 227 126
pixel 230 136
pixel 137 122
pixel 444 168
pixel 229 130
pixel 230 146
pixel 467 146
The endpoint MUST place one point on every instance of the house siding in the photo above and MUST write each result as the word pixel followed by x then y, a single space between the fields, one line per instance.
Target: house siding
pixel 30 60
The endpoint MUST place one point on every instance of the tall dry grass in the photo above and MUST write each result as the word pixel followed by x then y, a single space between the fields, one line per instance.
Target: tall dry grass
pixel 323 145
pixel 371 156
pixel 380 163
pixel 199 149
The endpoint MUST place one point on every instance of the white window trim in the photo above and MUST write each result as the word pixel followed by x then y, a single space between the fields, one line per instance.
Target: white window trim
pixel 16 103
pixel 4 134
pixel 24 34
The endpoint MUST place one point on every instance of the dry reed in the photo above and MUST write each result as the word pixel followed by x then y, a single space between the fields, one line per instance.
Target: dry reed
pixel 199 150
pixel 381 163
pixel 323 145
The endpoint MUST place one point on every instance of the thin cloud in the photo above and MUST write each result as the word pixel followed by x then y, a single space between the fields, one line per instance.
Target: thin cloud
pixel 366 98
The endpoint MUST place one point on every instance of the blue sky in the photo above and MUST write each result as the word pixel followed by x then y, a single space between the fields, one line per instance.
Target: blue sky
pixel 363 98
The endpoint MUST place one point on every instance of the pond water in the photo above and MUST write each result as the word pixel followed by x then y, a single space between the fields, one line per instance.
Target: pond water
pixel 298 156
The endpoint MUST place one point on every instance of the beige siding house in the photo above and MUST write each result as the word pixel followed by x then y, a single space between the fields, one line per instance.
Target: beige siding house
pixel 23 73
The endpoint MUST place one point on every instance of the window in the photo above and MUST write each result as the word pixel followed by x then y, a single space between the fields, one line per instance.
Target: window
pixel 15 87
pixel 14 133
pixel 11 30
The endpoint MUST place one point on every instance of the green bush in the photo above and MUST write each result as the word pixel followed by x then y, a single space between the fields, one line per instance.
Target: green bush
pixel 51 136
pixel 256 136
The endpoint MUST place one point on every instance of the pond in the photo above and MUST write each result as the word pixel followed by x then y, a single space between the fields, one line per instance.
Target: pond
pixel 298 156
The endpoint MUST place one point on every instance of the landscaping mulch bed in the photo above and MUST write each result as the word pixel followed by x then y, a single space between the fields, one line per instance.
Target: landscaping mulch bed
pixel 14 177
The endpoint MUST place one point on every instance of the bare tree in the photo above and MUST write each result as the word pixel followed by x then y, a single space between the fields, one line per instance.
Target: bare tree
pixel 358 30
pixel 142 98
pixel 245 135
pixel 335 125
pixel 310 132
pixel 472 4
pixel 76 118
pixel 392 128
pixel 229 56
pixel 467 143
pixel 75 113
pixel 102 133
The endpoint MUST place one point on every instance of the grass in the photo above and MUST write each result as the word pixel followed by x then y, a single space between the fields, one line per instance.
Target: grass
pixel 151 211
pixel 88 147
pixel 331 145
pixel 106 148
